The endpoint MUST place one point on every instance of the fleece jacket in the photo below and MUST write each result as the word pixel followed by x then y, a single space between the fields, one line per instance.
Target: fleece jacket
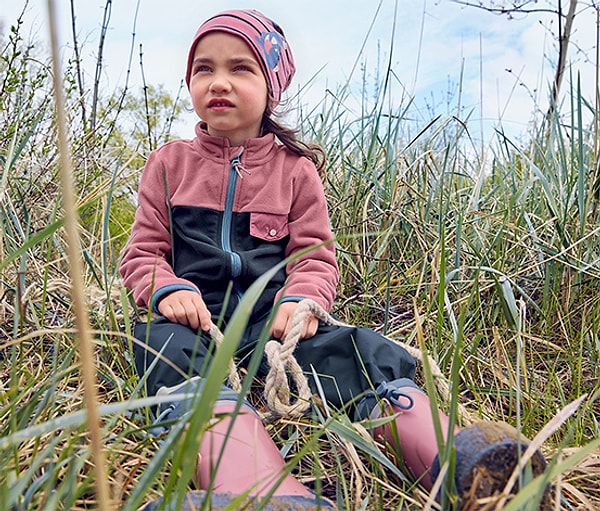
pixel 212 218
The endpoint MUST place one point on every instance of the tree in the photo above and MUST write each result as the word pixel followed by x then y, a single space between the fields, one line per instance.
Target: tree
pixel 565 29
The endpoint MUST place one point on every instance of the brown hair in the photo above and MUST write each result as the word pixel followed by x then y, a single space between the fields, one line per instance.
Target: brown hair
pixel 288 137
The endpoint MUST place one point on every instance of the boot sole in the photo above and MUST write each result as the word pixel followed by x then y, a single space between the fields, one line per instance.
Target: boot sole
pixel 487 453
pixel 200 500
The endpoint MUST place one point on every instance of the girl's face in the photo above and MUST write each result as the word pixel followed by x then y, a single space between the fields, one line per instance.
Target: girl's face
pixel 228 88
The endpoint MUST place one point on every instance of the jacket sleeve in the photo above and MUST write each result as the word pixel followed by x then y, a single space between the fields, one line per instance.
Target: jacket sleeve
pixel 146 260
pixel 314 274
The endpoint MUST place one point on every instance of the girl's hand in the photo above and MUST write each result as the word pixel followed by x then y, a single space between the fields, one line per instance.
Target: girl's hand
pixel 283 321
pixel 186 307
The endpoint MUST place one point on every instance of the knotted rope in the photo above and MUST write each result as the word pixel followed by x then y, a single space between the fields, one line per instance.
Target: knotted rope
pixel 280 356
pixel 282 364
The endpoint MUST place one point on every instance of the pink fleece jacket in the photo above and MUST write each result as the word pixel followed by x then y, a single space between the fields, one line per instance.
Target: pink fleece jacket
pixel 229 216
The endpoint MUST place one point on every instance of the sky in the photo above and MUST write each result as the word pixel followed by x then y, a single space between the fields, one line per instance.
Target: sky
pixel 442 53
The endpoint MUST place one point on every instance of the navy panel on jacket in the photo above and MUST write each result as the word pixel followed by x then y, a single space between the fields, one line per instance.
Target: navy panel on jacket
pixel 201 258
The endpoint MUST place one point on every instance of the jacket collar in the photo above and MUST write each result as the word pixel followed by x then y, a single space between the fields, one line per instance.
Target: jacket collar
pixel 255 150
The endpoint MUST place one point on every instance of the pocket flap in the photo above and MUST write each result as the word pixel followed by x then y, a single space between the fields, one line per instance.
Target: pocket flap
pixel 268 226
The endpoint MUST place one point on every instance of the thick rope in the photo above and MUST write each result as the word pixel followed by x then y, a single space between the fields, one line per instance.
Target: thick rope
pixel 233 379
pixel 282 364
pixel 280 356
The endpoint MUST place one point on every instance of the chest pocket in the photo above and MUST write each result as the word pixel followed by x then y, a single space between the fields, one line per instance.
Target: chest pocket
pixel 268 226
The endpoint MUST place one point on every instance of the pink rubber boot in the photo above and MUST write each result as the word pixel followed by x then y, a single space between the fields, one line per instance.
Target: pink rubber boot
pixel 412 434
pixel 236 462
pixel 486 453
pixel 245 460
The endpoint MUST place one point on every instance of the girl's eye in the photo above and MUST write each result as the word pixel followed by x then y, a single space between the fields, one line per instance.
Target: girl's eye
pixel 241 67
pixel 201 69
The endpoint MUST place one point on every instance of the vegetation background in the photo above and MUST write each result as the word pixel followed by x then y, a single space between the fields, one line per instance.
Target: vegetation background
pixel 486 258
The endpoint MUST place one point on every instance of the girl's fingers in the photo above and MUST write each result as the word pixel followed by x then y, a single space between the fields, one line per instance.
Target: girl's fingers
pixel 192 318
pixel 311 325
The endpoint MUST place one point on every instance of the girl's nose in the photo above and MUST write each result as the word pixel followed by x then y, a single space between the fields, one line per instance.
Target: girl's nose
pixel 219 83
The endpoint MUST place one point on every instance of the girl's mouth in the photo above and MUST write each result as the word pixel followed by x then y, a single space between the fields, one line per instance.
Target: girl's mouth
pixel 219 103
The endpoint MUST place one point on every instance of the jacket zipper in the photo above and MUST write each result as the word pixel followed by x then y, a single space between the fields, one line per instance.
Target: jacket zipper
pixel 236 263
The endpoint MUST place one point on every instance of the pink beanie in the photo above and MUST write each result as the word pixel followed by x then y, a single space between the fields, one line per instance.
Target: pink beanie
pixel 265 38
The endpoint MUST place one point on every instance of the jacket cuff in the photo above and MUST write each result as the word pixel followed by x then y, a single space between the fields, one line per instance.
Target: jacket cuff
pixel 285 299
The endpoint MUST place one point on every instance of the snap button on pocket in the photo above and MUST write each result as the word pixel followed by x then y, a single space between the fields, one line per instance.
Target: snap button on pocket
pixel 269 226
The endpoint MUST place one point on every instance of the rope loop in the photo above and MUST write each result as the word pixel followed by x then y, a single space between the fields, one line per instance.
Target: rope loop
pixel 282 363
pixel 277 389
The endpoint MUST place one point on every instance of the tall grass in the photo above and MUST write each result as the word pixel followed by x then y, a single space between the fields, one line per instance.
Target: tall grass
pixel 488 261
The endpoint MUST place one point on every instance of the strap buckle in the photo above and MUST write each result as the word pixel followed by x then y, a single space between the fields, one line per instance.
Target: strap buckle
pixel 392 394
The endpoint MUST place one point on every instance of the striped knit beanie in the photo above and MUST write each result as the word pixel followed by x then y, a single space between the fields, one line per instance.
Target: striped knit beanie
pixel 265 38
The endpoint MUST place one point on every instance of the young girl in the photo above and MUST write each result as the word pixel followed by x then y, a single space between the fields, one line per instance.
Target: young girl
pixel 215 213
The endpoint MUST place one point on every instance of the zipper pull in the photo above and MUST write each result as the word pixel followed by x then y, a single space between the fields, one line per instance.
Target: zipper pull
pixel 236 163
